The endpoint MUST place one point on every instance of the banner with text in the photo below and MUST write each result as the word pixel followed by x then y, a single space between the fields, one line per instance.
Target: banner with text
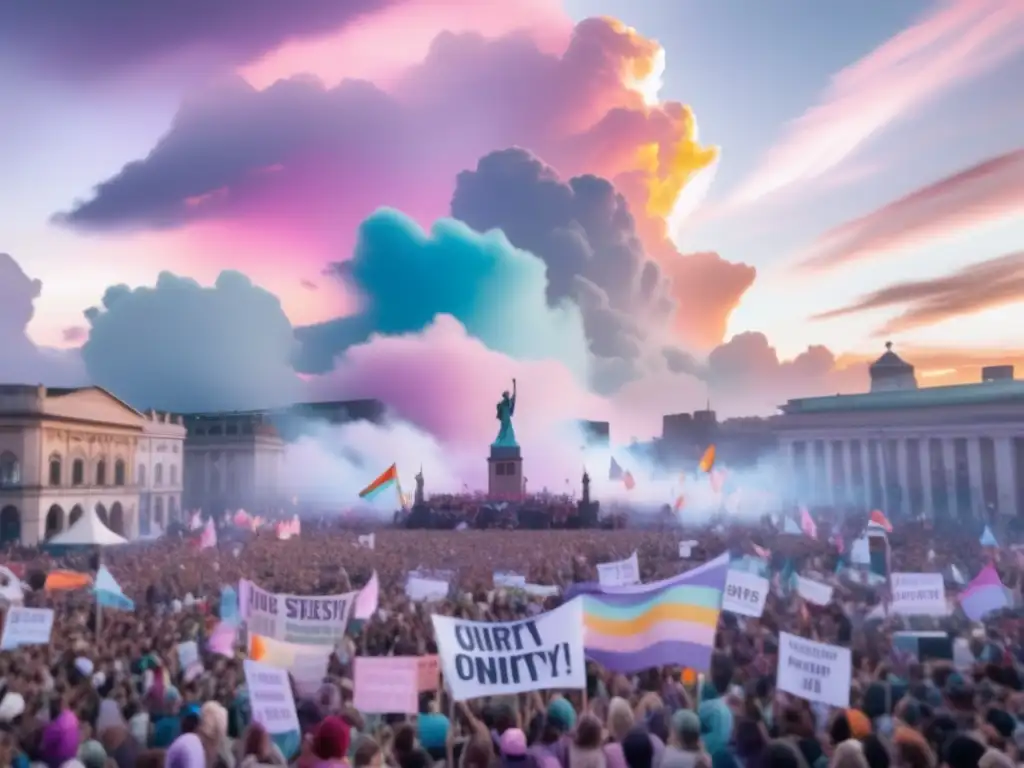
pixel 26 626
pixel 303 619
pixel 919 594
pixel 270 698
pixel 307 664
pixel 621 573
pixel 814 671
pixel 489 659
pixel 745 593
pixel 422 590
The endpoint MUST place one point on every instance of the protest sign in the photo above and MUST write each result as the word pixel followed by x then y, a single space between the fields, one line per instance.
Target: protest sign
pixel 270 698
pixel 924 646
pixel 26 626
pixel 429 673
pixel 425 590
pixel 307 664
pixel 621 573
pixel 745 593
pixel 386 685
pixel 540 590
pixel 308 620
pixel 488 659
pixel 509 579
pixel 813 591
pixel 814 671
pixel 686 548
pixel 918 594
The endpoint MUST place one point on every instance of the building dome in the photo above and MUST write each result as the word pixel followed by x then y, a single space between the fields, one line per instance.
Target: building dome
pixel 891 372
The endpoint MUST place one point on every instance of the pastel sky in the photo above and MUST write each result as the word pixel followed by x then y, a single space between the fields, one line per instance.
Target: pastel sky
pixel 826 174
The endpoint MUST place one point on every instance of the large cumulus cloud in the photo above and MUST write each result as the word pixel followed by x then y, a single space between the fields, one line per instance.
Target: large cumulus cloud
pixel 88 38
pixel 183 347
pixel 21 361
pixel 298 156
pixel 406 278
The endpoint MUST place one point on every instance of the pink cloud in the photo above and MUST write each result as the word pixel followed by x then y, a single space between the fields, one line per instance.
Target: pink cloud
pixel 989 191
pixel 954 43
pixel 447 383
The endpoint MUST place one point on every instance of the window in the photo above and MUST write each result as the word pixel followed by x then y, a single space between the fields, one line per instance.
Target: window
pixel 158 474
pixel 10 470
pixel 78 472
pixel 119 478
pixel 499 468
pixel 510 468
pixel 140 475
pixel 174 474
pixel 55 469
pixel 101 472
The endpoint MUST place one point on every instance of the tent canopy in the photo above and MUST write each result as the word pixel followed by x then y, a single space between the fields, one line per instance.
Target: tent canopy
pixel 88 530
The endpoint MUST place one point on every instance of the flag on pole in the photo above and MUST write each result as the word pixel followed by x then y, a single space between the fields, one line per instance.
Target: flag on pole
pixel 385 480
pixel 707 461
pixel 616 472
pixel 807 524
pixel 878 520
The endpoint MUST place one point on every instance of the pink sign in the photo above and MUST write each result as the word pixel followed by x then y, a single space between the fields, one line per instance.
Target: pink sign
pixel 429 673
pixel 387 684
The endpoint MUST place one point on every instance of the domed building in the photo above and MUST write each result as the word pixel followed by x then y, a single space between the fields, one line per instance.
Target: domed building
pixel 952 452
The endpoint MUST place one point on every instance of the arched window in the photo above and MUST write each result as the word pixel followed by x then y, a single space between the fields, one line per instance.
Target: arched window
pixel 119 470
pixel 158 474
pixel 78 472
pixel 140 475
pixel 55 469
pixel 10 470
pixel 101 472
pixel 174 474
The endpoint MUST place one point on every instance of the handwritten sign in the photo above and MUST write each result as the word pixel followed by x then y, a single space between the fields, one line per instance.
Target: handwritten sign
pixel 918 594
pixel 270 697
pixel 621 573
pixel 386 684
pixel 26 626
pixel 745 593
pixel 814 671
pixel 425 590
pixel 309 620
pixel 429 673
pixel 813 591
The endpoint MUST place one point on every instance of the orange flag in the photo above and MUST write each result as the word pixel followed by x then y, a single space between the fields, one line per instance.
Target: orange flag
pixel 257 648
pixel 62 581
pixel 707 461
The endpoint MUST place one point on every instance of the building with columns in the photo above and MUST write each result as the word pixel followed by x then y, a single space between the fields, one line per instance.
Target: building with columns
pixel 954 452
pixel 63 451
pixel 159 471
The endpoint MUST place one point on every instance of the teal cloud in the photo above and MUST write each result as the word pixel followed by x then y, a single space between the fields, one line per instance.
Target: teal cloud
pixel 407 277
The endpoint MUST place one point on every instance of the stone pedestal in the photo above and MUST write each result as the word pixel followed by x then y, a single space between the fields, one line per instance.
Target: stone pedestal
pixel 505 473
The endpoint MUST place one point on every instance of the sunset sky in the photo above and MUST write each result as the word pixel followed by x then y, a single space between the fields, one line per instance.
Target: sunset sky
pixel 857 175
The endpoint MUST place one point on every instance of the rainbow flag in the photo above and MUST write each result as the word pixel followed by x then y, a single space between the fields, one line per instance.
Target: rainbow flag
pixel 984 594
pixel 386 479
pixel 671 622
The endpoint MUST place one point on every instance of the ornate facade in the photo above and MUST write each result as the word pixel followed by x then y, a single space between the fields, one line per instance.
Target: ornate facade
pixel 62 451
pixel 954 452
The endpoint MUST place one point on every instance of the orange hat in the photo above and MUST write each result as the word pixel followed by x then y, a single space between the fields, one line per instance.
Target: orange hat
pixel 860 725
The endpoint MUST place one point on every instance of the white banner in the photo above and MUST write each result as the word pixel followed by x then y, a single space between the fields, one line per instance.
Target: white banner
pixel 814 591
pixel 307 664
pixel 918 594
pixel 745 593
pixel 26 626
pixel 270 698
pixel 489 659
pixel 426 590
pixel 302 619
pixel 814 671
pixel 621 573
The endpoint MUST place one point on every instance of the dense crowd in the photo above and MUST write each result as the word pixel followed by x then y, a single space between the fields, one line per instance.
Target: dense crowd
pixel 118 696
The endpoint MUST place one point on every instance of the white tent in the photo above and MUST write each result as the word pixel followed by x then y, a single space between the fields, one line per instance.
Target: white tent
pixel 88 530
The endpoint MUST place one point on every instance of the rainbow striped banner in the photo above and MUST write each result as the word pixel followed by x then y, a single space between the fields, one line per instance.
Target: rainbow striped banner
pixel 628 629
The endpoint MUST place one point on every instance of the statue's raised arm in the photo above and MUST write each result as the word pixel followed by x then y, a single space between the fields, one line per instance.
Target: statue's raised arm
pixel 506 433
pixel 512 407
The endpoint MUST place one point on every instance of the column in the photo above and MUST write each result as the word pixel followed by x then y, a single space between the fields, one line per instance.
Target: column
pixel 848 469
pixel 926 476
pixel 882 476
pixel 976 479
pixel 902 458
pixel 830 475
pixel 865 463
pixel 949 459
pixel 1006 485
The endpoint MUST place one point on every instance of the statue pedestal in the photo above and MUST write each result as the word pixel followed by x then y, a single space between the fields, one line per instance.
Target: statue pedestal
pixel 505 473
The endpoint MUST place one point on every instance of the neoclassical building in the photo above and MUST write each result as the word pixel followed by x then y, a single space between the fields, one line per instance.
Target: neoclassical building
pixel 954 452
pixel 64 450
pixel 159 470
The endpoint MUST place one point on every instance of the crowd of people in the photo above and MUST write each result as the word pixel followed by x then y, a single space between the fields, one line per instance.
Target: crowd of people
pixel 113 693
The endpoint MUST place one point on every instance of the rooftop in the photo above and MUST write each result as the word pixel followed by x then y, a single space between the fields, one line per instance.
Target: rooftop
pixel 1007 390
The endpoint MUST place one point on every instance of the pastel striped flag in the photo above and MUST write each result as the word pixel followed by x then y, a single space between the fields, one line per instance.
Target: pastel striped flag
pixel 671 622
pixel 984 594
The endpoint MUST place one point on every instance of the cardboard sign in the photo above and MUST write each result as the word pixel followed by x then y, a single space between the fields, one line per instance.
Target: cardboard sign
pixel 814 671
pixel 814 591
pixel 26 626
pixel 270 698
pixel 490 659
pixel 745 593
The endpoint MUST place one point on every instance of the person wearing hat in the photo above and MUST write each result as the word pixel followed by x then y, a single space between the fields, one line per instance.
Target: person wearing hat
pixel 683 749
